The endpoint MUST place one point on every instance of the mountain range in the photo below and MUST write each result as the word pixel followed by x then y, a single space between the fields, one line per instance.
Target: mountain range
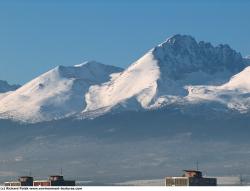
pixel 177 73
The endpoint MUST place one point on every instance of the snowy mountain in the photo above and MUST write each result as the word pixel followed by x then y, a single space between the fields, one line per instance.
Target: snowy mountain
pixel 168 74
pixel 179 73
pixel 55 94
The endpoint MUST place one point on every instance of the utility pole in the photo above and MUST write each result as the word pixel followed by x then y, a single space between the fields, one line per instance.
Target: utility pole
pixel 241 180
pixel 197 165
pixel 61 171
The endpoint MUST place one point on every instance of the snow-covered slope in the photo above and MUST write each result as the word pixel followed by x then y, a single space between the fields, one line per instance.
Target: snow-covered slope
pixel 162 75
pixel 140 78
pixel 235 94
pixel 55 94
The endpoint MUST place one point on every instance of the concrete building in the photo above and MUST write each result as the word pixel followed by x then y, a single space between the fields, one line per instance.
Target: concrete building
pixel 190 178
pixel 22 181
pixel 26 180
pixel 54 180
pixel 12 183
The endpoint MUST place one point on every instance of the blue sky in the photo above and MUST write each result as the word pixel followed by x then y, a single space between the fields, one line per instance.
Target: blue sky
pixel 36 36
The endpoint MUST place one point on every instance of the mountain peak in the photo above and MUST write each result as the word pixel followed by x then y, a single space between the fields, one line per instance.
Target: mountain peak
pixel 89 64
pixel 89 70
pixel 180 39
pixel 85 64
pixel 182 54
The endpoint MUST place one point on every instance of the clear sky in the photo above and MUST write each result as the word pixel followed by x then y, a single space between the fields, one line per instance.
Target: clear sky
pixel 37 35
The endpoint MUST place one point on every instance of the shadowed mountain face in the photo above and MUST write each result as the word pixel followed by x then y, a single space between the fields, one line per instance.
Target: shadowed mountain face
pixel 181 54
pixel 5 87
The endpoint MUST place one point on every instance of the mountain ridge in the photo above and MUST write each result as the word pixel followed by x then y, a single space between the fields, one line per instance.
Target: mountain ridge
pixel 178 72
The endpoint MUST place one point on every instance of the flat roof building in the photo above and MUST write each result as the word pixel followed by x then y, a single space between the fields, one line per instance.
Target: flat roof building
pixel 54 180
pixel 190 178
pixel 13 183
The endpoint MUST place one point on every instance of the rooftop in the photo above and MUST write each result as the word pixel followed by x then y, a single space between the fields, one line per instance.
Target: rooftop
pixel 190 170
